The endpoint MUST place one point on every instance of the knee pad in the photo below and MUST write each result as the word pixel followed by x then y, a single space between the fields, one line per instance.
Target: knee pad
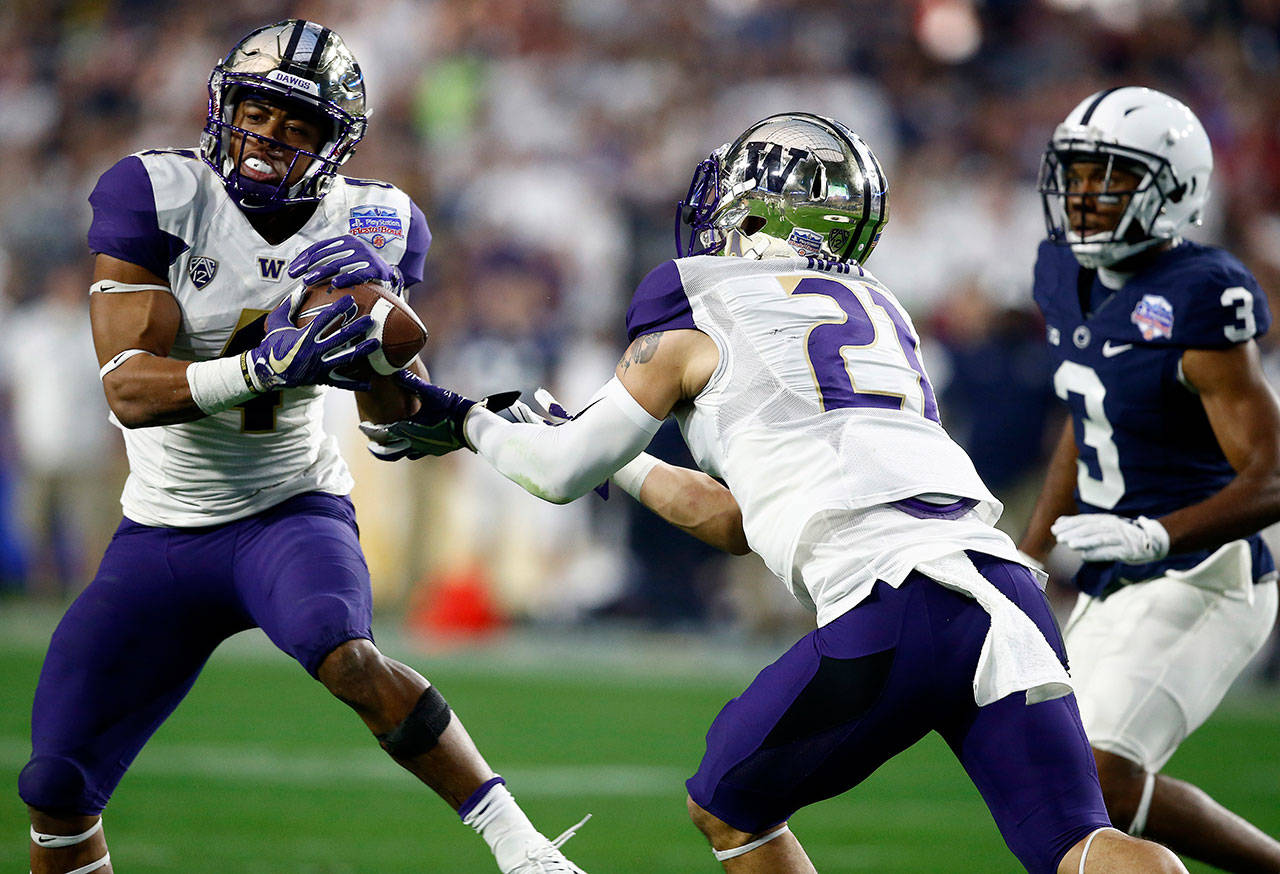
pixel 420 731
pixel 54 784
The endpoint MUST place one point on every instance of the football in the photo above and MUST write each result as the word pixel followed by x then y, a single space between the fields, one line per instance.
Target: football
pixel 403 336
pixel 402 333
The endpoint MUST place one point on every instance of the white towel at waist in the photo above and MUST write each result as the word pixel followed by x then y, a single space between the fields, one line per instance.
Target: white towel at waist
pixel 1015 656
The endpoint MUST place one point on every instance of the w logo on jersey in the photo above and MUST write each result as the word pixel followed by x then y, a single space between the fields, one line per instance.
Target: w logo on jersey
pixel 201 270
pixel 271 268
pixel 766 168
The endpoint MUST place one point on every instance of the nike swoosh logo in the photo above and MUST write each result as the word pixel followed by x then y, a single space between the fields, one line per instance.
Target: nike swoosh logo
pixel 1109 351
pixel 44 839
pixel 280 364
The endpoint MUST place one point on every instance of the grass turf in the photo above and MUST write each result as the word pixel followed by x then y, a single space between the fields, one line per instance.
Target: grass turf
pixel 260 770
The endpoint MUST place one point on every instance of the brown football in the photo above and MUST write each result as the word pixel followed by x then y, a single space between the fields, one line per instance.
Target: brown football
pixel 403 336
pixel 397 325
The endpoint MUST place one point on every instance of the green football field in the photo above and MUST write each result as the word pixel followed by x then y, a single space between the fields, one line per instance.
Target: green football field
pixel 259 770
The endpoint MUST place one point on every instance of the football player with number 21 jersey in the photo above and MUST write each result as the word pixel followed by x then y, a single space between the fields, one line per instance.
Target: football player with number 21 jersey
pixel 1169 465
pixel 236 512
pixel 797 379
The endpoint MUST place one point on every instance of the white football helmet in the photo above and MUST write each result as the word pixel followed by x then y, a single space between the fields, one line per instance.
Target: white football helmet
pixel 1153 136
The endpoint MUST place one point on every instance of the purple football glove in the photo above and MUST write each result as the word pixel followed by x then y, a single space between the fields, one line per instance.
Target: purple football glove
pixel 349 260
pixel 436 429
pixel 290 356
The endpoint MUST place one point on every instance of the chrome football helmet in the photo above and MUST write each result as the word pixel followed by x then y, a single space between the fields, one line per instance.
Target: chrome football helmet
pixel 792 185
pixel 293 60
pixel 1148 133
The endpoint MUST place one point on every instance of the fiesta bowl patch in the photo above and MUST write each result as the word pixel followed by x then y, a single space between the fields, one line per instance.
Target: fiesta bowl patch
pixel 376 224
pixel 1154 317
pixel 805 241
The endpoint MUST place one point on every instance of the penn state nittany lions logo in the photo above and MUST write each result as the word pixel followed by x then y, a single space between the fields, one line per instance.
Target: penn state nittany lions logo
pixel 1154 317
pixel 202 269
pixel 766 167
pixel 376 224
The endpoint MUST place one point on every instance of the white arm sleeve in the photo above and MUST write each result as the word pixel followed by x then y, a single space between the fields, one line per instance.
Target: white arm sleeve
pixel 565 462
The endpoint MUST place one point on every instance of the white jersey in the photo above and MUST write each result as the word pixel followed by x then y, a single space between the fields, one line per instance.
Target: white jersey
pixel 820 418
pixel 168 206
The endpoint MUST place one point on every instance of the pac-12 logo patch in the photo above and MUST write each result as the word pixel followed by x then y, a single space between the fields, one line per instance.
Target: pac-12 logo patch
pixel 376 224
pixel 1154 317
pixel 201 270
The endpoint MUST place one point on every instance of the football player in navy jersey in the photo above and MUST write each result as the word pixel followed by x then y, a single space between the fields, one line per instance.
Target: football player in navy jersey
pixel 1170 462
pixel 236 508
pixel 796 376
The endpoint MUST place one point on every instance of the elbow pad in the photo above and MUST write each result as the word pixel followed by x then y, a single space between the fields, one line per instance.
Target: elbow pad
pixel 563 462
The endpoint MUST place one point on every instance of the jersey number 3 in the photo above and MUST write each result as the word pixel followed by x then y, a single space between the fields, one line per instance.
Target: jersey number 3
pixel 1098 449
pixel 882 369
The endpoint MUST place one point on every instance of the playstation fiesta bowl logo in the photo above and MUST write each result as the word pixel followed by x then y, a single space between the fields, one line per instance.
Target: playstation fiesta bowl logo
pixel 376 224
pixel 1154 317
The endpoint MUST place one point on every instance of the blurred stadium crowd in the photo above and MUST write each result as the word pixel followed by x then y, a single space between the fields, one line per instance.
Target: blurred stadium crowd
pixel 547 141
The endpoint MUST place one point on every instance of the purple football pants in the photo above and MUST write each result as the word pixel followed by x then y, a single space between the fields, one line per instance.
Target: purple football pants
pixel 856 692
pixel 130 647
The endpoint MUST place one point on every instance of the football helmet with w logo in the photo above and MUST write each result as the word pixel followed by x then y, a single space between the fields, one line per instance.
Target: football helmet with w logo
pixel 792 184
pixel 299 63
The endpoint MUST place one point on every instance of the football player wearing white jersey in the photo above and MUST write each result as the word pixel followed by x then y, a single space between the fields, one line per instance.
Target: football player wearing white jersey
pixel 1169 465
pixel 796 378
pixel 236 512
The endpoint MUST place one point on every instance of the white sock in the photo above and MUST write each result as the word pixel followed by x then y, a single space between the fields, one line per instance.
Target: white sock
pixel 504 827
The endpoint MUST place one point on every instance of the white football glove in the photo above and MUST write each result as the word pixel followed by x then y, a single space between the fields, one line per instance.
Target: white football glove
pixel 1104 537
pixel 548 412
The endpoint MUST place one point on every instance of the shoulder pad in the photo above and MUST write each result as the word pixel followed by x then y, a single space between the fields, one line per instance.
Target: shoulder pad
pixel 125 224
pixel 659 304
pixel 1204 299
pixel 1055 275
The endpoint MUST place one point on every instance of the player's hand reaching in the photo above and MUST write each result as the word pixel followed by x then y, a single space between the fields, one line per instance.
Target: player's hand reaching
pixel 436 429
pixel 291 356
pixel 1104 537
pixel 349 260
pixel 548 412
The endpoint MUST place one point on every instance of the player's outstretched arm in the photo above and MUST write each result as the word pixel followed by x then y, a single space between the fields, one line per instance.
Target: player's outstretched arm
pixel 559 464
pixel 1057 497
pixel 135 320
pixel 688 499
pixel 1245 417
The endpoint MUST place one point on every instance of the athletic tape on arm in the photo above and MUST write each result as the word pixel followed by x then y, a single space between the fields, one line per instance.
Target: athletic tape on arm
pixel 565 462
pixel 119 359
pixel 110 286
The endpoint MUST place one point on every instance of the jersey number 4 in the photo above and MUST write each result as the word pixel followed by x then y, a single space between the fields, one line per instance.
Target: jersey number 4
pixel 258 414
pixel 869 356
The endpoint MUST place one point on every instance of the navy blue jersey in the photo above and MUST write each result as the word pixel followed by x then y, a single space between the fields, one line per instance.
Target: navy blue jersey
pixel 1144 442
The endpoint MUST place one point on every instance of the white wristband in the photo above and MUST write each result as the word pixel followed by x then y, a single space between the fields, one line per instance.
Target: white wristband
pixel 630 477
pixel 219 384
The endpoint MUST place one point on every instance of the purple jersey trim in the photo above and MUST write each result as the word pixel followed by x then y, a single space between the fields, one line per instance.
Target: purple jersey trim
pixel 659 304
pixel 416 245
pixel 474 799
pixel 926 510
pixel 124 219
